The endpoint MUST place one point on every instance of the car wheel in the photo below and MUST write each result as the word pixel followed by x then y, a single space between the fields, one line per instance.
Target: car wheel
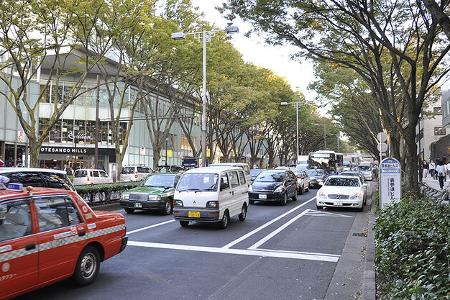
pixel 184 223
pixel 88 266
pixel 129 210
pixel 251 201
pixel 319 207
pixel 168 208
pixel 243 213
pixel 285 198
pixel 307 188
pixel 225 220
pixel 300 190
pixel 295 196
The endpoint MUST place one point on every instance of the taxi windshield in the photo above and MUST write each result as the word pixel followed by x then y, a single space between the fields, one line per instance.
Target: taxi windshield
pixel 165 181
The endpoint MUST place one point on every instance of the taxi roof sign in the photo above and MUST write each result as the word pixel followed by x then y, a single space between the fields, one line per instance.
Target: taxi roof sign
pixel 15 186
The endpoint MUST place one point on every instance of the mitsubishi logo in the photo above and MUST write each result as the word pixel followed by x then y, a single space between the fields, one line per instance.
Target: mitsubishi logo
pixel 194 202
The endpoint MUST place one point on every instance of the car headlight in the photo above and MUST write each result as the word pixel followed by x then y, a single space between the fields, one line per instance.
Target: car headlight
pixel 125 196
pixel 322 194
pixel 357 195
pixel 212 204
pixel 250 188
pixel 279 189
pixel 154 197
pixel 178 203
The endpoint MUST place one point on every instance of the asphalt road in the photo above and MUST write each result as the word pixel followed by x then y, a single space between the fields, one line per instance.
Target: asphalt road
pixel 278 252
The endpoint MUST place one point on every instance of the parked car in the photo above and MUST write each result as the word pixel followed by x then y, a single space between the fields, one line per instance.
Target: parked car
pixel 341 191
pixel 154 193
pixel 211 194
pixel 134 173
pixel 37 177
pixel 243 166
pixel 317 177
pixel 254 173
pixel 303 181
pixel 274 186
pixel 47 235
pixel 91 176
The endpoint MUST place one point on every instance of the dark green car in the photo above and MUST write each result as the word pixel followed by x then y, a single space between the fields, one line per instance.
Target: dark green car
pixel 155 193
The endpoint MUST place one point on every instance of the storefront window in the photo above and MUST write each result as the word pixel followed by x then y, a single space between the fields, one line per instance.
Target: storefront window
pixel 90 132
pixel 43 123
pixel 55 133
pixel 67 130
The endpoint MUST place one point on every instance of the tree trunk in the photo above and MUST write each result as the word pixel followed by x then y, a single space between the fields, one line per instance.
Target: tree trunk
pixel 156 156
pixel 411 161
pixel 34 153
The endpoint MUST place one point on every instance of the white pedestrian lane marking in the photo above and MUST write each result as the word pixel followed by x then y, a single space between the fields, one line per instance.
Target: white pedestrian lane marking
pixel 258 252
pixel 278 230
pixel 316 213
pixel 151 226
pixel 246 236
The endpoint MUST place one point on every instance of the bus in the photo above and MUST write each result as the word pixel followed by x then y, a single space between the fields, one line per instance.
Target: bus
pixel 325 159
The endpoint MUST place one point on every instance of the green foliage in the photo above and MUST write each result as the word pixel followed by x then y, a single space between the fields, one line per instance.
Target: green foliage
pixel 413 245
pixel 105 188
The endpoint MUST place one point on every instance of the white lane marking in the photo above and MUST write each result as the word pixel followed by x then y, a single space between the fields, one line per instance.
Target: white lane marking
pixel 316 213
pixel 151 226
pixel 262 253
pixel 236 241
pixel 278 230
pixel 300 252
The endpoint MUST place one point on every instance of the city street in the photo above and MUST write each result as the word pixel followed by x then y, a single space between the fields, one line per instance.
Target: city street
pixel 279 252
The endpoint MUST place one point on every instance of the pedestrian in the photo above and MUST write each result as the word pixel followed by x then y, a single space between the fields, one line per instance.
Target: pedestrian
pixel 441 171
pixel 425 169
pixel 432 168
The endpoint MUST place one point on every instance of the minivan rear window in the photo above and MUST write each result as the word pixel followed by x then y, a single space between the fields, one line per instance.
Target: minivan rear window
pixel 80 173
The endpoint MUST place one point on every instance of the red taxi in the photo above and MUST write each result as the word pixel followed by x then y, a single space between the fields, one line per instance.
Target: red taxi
pixel 47 235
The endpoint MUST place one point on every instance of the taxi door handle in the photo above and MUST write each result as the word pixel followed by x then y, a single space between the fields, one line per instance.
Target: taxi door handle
pixel 30 247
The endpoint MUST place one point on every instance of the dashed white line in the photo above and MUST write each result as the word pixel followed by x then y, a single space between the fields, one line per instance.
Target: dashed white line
pixel 231 244
pixel 278 230
pixel 261 253
pixel 151 226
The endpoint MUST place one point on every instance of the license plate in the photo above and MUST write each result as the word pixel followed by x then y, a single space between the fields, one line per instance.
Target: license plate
pixel 138 205
pixel 193 214
pixel 338 203
pixel 262 196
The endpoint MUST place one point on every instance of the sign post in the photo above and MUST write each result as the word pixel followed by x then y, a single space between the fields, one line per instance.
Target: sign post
pixel 390 181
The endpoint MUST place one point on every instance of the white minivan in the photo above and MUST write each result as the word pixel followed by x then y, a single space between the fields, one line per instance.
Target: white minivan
pixel 211 195
pixel 90 176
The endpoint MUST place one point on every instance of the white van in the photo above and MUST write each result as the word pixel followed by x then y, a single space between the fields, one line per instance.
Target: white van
pixel 211 195
pixel 90 176
pixel 135 173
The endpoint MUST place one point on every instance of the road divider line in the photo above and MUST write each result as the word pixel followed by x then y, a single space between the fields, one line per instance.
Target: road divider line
pixel 259 252
pixel 278 230
pixel 299 252
pixel 151 226
pixel 246 236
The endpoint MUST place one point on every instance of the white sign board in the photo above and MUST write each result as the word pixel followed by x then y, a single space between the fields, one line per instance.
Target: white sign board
pixel 381 137
pixel 390 181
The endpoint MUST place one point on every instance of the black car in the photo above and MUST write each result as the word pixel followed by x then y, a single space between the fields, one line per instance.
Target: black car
pixel 254 173
pixel 317 177
pixel 273 186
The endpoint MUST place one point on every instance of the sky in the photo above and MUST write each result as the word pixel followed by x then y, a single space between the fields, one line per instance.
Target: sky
pixel 254 50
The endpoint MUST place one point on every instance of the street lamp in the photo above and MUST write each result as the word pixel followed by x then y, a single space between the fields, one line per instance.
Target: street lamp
pixel 297 104
pixel 205 36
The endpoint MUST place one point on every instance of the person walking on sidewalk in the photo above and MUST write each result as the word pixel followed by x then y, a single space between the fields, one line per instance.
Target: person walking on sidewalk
pixel 425 169
pixel 432 168
pixel 441 171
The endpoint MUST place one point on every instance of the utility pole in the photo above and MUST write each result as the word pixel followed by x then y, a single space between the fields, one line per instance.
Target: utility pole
pixel 97 121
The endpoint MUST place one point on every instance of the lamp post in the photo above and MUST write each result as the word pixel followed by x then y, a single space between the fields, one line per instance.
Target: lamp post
pixel 205 36
pixel 297 104
pixel 167 139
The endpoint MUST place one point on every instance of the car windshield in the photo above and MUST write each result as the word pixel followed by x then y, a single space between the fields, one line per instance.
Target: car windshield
pixel 255 172
pixel 364 168
pixel 315 173
pixel 165 181
pixel 198 182
pixel 337 181
pixel 128 170
pixel 270 177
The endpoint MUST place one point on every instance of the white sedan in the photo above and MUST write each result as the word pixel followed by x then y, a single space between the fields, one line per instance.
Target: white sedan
pixel 342 191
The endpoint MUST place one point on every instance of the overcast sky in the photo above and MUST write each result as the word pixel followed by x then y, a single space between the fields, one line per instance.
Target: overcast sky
pixel 254 50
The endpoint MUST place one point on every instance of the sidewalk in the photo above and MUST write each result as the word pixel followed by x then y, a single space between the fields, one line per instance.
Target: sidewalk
pixel 434 184
pixel 354 276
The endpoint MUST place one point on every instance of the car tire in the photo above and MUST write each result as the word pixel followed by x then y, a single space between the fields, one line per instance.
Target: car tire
pixel 129 210
pixel 307 190
pixel 300 190
pixel 319 207
pixel 251 201
pixel 184 223
pixel 243 213
pixel 168 208
pixel 88 266
pixel 285 198
pixel 225 220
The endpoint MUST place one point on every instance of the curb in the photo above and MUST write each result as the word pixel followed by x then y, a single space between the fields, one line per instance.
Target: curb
pixel 369 276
